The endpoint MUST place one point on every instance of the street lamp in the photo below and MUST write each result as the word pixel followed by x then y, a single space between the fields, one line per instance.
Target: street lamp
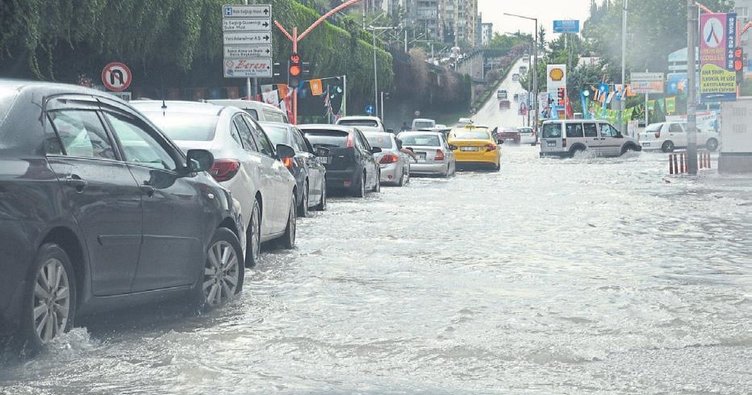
pixel 535 64
pixel 375 71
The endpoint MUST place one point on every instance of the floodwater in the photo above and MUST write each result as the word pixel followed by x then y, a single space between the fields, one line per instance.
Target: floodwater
pixel 584 275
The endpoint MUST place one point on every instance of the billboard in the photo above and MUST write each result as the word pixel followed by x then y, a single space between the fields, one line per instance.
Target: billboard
pixel 567 26
pixel 717 43
pixel 646 82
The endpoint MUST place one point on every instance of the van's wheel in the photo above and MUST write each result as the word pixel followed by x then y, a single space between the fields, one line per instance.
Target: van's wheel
pixel 711 144
pixel 626 148
pixel 223 271
pixel 303 206
pixel 575 150
pixel 49 305
pixel 288 239
pixel 253 244
pixel 668 146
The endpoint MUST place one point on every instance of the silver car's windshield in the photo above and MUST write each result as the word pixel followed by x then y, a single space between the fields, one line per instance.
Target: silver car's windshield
pixel 183 126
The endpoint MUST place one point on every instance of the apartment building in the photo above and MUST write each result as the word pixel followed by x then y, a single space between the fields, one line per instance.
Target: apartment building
pixel 458 22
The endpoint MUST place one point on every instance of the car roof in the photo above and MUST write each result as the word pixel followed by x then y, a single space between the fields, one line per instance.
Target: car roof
pixel 421 132
pixel 363 117
pixel 179 106
pixel 377 134
pixel 240 103
pixel 325 126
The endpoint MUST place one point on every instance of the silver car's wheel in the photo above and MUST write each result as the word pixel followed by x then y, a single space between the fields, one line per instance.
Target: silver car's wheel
pixel 222 273
pixel 711 144
pixel 253 250
pixel 322 204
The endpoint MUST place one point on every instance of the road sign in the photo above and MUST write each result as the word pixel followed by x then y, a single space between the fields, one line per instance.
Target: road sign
pixel 116 76
pixel 248 68
pixel 567 26
pixel 647 82
pixel 247 39
pixel 247 11
pixel 247 25
pixel 370 109
pixel 248 51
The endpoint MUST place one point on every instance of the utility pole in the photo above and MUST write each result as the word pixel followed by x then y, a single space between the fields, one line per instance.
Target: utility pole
pixel 535 77
pixel 692 16
pixel 623 102
pixel 375 74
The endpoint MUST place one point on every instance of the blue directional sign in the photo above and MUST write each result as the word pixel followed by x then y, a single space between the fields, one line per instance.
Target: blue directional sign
pixel 567 26
pixel 369 109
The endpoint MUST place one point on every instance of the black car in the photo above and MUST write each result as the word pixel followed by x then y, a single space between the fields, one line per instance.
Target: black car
pixel 99 210
pixel 351 165
pixel 305 166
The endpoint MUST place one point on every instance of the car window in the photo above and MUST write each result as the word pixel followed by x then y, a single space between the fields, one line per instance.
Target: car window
pixel 299 141
pixel 253 113
pixel 591 129
pixel 380 140
pixel 429 140
pixel 235 134
pixel 675 128
pixel 278 134
pixel 328 138
pixel 608 130
pixel 262 142
pixel 552 130
pixel 273 116
pixel 81 134
pixel 245 134
pixel 139 146
pixel 359 142
pixel 184 126
pixel 574 130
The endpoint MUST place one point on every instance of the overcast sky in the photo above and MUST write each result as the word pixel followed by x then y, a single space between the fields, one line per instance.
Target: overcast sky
pixel 545 10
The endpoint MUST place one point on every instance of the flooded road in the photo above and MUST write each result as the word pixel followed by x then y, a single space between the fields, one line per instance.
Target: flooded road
pixel 583 275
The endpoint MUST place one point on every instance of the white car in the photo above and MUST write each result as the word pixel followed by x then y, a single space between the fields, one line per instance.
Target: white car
pixel 527 135
pixel 245 162
pixel 261 112
pixel 667 136
pixel 363 122
pixel 394 164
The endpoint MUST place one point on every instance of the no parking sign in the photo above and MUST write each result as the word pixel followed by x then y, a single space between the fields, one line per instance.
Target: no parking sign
pixel 116 76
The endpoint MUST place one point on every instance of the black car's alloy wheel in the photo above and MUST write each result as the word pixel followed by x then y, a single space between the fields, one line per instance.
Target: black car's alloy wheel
pixel 322 205
pixel 50 302
pixel 303 207
pixel 288 239
pixel 223 269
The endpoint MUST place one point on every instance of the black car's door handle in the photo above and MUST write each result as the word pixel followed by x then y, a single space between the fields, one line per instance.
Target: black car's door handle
pixel 75 181
pixel 148 189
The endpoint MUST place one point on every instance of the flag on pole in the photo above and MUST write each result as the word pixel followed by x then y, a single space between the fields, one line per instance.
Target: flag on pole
pixel 317 88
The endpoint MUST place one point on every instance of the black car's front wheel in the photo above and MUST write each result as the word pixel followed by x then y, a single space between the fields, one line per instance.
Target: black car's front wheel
pixel 322 204
pixel 223 270
pixel 360 188
pixel 50 299
pixel 303 207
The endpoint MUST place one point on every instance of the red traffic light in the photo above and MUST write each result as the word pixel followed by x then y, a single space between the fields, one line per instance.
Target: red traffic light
pixel 295 67
pixel 738 59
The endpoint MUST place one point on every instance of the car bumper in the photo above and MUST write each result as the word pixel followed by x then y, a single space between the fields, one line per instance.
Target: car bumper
pixel 488 157
pixel 16 255
pixel 341 179
pixel 428 168
pixel 390 173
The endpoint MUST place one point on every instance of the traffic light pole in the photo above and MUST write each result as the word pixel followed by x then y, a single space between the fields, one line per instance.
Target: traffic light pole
pixel 295 39
pixel 692 16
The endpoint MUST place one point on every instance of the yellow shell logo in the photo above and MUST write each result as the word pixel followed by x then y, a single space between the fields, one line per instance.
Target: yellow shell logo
pixel 556 74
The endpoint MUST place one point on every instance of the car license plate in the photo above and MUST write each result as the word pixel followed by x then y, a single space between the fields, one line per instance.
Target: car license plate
pixel 324 160
pixel 421 156
pixel 646 144
pixel 550 143
pixel 469 149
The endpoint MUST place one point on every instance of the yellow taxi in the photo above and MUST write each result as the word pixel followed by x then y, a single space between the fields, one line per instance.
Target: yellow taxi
pixel 474 145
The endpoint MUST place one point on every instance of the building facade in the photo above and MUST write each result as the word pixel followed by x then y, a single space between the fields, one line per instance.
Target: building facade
pixel 486 33
pixel 458 22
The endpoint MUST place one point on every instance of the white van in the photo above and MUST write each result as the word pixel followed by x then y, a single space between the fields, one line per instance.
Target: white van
pixel 259 111
pixel 423 124
pixel 566 137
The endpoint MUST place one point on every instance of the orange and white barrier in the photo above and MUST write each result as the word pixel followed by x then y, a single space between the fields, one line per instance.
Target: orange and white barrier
pixel 677 162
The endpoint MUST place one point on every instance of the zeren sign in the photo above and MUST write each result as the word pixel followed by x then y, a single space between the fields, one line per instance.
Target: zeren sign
pixel 247 39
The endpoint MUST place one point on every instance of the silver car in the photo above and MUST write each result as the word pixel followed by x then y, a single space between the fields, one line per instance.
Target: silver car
pixel 433 154
pixel 394 164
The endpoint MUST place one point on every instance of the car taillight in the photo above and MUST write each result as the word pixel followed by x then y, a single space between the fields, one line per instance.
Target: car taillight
pixel 288 162
pixel 224 169
pixel 439 155
pixel 563 143
pixel 490 147
pixel 658 133
pixel 388 158
pixel 350 141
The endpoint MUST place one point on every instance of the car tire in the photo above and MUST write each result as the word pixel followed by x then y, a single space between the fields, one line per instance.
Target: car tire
pixel 497 167
pixel 322 204
pixel 667 146
pixel 222 273
pixel 253 245
pixel 575 150
pixel 303 206
pixel 377 187
pixel 49 309
pixel 711 144
pixel 628 147
pixel 360 189
pixel 288 239
pixel 401 182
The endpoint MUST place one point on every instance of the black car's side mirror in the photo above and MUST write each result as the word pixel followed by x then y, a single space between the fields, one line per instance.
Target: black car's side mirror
pixel 375 150
pixel 199 160
pixel 284 151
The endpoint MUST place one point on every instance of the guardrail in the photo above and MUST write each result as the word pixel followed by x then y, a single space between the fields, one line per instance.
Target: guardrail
pixel 677 162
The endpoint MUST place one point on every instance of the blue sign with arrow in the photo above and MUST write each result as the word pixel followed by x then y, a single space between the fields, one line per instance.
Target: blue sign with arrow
pixel 567 26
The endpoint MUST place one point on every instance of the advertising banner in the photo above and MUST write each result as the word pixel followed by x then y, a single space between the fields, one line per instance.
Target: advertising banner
pixel 717 43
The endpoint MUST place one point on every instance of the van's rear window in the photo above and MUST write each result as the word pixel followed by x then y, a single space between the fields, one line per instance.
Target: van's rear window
pixel 552 131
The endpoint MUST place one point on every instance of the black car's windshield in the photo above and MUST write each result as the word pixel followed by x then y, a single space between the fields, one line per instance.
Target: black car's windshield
pixel 184 126
pixel 327 138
